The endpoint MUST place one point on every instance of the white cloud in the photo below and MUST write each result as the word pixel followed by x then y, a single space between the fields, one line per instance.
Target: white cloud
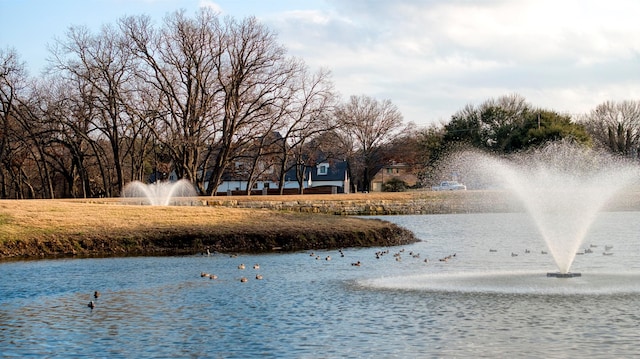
pixel 210 4
pixel 433 57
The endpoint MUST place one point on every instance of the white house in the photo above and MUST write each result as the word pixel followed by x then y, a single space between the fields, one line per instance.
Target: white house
pixel 327 177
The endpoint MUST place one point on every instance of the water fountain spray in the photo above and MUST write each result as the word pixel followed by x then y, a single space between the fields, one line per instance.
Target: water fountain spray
pixel 562 186
pixel 159 193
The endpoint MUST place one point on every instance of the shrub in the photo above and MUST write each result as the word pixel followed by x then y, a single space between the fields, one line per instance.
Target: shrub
pixel 395 185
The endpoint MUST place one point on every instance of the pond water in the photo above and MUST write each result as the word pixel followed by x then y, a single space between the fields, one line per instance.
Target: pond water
pixel 482 302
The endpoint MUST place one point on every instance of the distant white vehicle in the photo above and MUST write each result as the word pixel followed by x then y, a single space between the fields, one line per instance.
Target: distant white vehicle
pixel 449 186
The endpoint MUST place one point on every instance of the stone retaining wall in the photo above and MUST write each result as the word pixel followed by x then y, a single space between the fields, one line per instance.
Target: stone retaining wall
pixel 454 203
pixel 431 203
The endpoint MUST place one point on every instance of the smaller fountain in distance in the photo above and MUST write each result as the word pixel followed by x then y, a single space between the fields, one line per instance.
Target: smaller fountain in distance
pixel 161 193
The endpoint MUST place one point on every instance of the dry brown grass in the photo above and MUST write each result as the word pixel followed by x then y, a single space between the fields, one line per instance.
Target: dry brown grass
pixel 31 219
pixel 44 228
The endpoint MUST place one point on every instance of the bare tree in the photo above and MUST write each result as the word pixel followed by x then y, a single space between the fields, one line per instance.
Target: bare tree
pixel 104 63
pixel 252 73
pixel 306 113
pixel 261 156
pixel 615 126
pixel 75 146
pixel 144 117
pixel 179 68
pixel 368 124
pixel 24 139
pixel 12 77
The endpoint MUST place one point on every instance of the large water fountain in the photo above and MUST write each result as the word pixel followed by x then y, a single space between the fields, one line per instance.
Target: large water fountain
pixel 566 193
pixel 161 193
pixel 563 187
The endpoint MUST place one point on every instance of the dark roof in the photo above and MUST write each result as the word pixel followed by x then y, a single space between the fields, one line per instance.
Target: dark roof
pixel 336 172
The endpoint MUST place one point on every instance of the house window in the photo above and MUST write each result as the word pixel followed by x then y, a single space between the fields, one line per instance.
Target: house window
pixel 323 169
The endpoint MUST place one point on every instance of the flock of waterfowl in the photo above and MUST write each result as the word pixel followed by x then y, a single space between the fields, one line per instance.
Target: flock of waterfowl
pixel 379 254
pixel 606 252
pixel 398 256
pixel 92 304
pixel 588 250
pixel 241 266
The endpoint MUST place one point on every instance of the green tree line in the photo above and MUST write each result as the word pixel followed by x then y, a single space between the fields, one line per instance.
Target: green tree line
pixel 510 124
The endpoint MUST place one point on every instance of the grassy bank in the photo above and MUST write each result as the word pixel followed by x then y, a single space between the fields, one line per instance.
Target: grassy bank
pixel 45 228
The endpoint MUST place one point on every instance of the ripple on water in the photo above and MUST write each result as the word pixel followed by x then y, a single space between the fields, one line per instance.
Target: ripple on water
pixel 161 307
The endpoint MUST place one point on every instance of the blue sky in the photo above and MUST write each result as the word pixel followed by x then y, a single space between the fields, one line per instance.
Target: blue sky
pixel 429 57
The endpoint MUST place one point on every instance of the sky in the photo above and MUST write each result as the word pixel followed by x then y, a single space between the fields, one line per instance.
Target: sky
pixel 431 58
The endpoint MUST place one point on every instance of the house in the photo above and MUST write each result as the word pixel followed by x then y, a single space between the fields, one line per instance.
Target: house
pixel 256 170
pixel 400 171
pixel 330 175
pixel 236 178
pixel 325 177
